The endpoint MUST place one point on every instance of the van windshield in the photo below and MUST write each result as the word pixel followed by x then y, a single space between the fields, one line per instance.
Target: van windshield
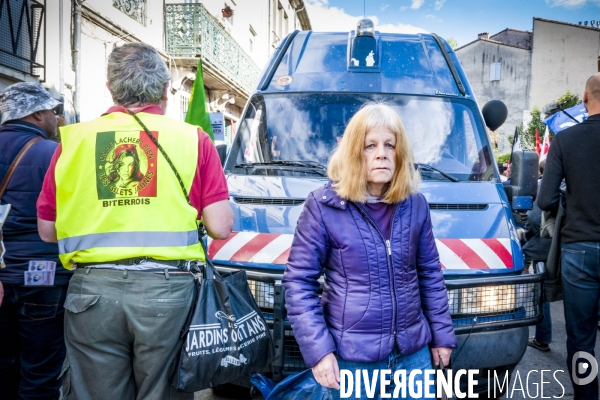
pixel 295 135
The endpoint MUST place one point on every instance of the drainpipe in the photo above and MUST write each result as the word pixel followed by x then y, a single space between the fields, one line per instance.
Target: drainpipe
pixel 61 74
pixel 269 29
pixel 77 57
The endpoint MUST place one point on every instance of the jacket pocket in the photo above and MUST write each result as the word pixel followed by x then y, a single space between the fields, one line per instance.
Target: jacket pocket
pixel 77 303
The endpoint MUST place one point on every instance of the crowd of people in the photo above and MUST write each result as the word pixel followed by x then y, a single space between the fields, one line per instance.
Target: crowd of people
pixel 106 225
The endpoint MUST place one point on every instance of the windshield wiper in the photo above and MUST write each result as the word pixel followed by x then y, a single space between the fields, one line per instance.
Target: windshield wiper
pixel 289 163
pixel 427 167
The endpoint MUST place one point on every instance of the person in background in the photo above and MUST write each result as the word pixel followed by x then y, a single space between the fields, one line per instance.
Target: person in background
pixel 32 347
pixel 573 157
pixel 129 298
pixel 536 250
pixel 502 170
pixel 384 303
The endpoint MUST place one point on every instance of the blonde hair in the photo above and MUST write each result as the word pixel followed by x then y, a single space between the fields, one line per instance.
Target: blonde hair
pixel 347 167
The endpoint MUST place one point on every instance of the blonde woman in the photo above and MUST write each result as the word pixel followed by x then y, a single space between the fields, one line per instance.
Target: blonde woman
pixel 384 303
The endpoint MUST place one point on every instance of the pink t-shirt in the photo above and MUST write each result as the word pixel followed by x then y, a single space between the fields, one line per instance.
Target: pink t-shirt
pixel 208 187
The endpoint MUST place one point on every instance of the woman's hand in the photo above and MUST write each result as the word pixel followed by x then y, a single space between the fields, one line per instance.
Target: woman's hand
pixel 327 373
pixel 1 293
pixel 444 353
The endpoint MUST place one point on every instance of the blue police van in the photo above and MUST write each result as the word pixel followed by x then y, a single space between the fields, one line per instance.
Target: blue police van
pixel 312 86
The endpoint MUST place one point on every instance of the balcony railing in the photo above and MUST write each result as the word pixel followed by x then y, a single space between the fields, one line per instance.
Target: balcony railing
pixel 22 36
pixel 191 31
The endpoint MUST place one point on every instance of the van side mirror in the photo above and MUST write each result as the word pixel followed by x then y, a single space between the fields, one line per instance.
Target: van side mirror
pixel 222 150
pixel 494 114
pixel 523 180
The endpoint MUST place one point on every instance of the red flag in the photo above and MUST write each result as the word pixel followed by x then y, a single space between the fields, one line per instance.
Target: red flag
pixel 538 142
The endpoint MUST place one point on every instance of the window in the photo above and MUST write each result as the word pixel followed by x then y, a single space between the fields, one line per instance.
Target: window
pixel 309 126
pixel 495 71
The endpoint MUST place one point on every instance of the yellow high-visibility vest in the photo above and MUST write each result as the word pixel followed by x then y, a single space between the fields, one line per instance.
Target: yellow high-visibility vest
pixel 116 195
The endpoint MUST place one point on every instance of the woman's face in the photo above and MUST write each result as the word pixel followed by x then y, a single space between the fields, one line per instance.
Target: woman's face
pixel 379 157
pixel 126 167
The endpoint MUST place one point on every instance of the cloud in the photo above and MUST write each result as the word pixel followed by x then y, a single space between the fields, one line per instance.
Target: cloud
pixel 439 4
pixel 416 4
pixel 332 19
pixel 384 6
pixel 433 17
pixel 568 3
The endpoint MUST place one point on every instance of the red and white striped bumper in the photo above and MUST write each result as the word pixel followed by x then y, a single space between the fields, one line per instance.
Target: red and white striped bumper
pixel 272 248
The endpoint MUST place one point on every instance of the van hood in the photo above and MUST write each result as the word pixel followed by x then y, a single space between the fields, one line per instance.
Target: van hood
pixel 471 223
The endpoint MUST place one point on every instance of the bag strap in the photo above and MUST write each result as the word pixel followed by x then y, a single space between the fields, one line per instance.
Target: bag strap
pixel 15 163
pixel 209 270
pixel 187 197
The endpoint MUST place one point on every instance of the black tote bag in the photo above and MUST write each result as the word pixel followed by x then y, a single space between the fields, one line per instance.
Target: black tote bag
pixel 227 337
pixel 553 281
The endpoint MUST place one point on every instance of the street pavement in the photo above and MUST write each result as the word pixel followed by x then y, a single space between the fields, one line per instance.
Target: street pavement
pixel 558 384
pixel 554 360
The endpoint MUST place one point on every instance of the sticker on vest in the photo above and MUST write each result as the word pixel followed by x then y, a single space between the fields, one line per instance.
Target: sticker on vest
pixel 40 273
pixel 126 166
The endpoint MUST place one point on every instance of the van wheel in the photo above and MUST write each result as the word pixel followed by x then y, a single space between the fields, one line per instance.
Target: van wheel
pixel 231 391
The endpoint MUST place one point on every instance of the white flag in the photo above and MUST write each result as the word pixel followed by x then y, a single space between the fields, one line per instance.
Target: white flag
pixel 545 145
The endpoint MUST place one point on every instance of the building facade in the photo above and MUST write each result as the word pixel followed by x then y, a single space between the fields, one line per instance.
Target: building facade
pixel 530 69
pixel 67 43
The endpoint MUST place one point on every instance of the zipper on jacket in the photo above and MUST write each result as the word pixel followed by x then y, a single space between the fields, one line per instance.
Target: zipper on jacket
pixel 389 260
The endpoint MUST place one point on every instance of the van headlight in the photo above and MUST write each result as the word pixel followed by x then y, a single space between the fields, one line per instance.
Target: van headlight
pixel 482 300
pixel 264 293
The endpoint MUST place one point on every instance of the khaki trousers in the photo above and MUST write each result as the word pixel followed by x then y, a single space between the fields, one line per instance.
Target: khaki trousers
pixel 122 333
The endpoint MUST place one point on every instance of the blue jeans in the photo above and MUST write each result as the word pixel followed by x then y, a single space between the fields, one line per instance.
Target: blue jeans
pixel 32 347
pixel 581 292
pixel 421 360
pixel 543 331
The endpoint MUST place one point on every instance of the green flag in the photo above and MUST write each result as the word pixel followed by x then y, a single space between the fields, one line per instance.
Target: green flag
pixel 197 112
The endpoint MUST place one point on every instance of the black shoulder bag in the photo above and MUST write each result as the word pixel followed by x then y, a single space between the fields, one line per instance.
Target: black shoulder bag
pixel 226 336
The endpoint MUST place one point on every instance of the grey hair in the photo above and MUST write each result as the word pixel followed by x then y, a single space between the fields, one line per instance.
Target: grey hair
pixel 136 74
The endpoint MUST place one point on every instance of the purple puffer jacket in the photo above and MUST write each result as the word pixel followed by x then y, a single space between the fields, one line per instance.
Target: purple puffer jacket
pixel 371 296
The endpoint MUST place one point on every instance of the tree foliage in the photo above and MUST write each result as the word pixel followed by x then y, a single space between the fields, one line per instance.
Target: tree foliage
pixel 452 42
pixel 567 100
pixel 503 158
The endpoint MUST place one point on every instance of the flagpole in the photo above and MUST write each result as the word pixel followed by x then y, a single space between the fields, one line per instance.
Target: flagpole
pixel 514 143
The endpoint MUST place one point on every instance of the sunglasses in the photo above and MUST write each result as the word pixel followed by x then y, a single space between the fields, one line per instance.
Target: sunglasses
pixel 58 110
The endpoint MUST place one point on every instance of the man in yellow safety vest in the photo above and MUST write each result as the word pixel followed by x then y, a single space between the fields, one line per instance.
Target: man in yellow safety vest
pixel 116 207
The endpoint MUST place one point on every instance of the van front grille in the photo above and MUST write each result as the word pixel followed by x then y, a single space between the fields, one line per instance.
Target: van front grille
pixel 457 207
pixel 269 201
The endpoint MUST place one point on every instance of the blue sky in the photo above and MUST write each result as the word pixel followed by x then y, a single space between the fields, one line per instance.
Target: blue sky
pixel 461 19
